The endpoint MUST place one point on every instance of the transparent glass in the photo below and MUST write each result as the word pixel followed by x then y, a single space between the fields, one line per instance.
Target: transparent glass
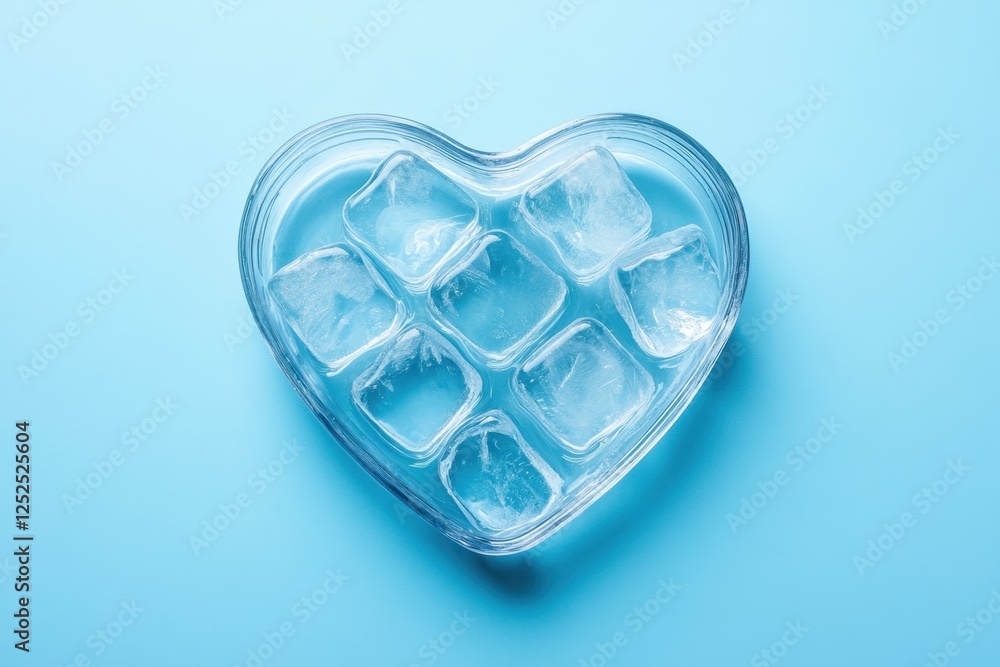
pixel 296 206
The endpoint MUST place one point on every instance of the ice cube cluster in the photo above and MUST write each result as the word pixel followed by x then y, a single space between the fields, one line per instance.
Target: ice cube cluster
pixel 667 321
pixel 338 306
pixel 498 297
pixel 497 478
pixel 589 211
pixel 583 386
pixel 411 217
pixel 474 345
pixel 417 389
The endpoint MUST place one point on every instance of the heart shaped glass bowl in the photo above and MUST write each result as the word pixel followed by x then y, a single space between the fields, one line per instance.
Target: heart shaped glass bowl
pixel 496 433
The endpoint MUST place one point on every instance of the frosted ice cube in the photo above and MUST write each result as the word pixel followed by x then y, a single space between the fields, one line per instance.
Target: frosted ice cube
pixel 499 298
pixel 668 290
pixel 418 390
pixel 498 481
pixel 336 303
pixel 589 211
pixel 412 217
pixel 583 386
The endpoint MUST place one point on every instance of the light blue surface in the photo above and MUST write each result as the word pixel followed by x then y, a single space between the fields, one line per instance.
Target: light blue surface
pixel 825 309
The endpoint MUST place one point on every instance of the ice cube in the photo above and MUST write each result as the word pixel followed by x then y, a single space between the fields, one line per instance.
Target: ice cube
pixel 411 217
pixel 498 481
pixel 668 290
pixel 499 298
pixel 336 304
pixel 418 390
pixel 583 386
pixel 589 211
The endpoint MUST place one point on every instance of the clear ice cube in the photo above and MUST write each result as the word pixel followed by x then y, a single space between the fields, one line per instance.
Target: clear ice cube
pixel 336 304
pixel 499 298
pixel 496 478
pixel 589 211
pixel 412 217
pixel 418 389
pixel 583 386
pixel 668 290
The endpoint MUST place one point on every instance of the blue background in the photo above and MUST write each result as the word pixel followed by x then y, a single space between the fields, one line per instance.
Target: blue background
pixel 825 308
